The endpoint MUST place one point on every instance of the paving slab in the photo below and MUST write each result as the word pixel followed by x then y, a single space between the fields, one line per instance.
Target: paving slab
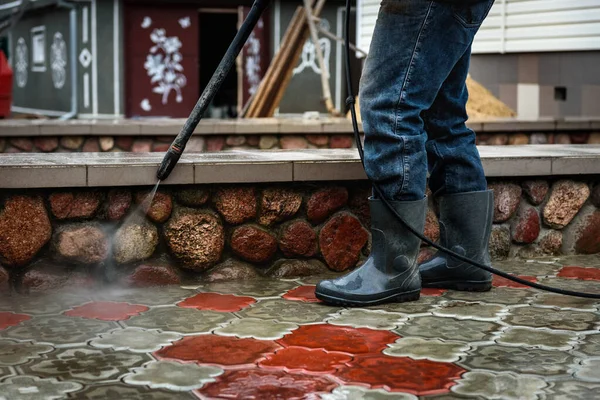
pixel 507 343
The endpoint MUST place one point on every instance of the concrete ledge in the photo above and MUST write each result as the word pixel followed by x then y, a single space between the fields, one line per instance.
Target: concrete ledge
pixel 262 126
pixel 245 166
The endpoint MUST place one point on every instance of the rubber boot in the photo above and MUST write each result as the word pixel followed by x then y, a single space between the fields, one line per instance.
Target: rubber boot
pixel 391 273
pixel 465 228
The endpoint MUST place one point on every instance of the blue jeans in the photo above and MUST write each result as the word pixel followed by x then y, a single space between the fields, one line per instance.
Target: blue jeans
pixel 413 99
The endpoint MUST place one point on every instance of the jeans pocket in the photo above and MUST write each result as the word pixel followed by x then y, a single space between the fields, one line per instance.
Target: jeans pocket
pixel 472 15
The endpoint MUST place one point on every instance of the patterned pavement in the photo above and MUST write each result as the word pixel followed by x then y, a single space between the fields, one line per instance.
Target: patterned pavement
pixel 274 340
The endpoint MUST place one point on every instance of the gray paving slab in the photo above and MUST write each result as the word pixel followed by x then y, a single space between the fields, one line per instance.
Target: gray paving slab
pixel 120 169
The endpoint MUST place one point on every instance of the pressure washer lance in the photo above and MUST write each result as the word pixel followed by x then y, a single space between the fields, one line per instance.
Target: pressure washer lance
pixel 174 152
pixel 176 149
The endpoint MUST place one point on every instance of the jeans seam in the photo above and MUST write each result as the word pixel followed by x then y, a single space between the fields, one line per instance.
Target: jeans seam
pixel 405 170
pixel 410 66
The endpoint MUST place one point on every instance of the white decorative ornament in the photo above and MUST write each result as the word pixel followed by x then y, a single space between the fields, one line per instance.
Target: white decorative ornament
pixel 163 65
pixel 146 22
pixel 58 61
pixel 145 105
pixel 309 55
pixel 252 63
pixel 21 62
pixel 185 22
pixel 85 58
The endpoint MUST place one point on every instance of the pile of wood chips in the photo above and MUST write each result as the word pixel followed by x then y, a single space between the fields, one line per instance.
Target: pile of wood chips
pixel 482 104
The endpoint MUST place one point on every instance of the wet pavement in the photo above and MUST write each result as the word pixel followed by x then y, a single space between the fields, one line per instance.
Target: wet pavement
pixel 274 340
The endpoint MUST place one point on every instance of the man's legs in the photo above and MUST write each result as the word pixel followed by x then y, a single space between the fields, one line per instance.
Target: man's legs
pixel 458 181
pixel 415 47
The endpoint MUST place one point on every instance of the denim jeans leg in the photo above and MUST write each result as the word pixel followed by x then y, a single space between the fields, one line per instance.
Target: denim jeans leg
pixel 415 47
pixel 454 162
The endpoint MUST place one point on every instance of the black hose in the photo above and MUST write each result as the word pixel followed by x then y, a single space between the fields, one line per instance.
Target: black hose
pixel 350 102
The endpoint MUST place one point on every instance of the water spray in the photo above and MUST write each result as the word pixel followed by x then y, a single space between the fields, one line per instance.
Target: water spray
pixel 178 145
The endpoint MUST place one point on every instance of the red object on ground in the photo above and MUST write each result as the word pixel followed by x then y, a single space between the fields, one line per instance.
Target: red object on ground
pixel 6 84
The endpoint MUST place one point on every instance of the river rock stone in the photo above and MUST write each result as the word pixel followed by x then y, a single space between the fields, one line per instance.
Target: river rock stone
pixel 318 140
pixel 595 197
pixel 579 138
pixel 287 269
pixel 594 138
pixel 525 228
pixel 507 197
pixel 232 270
pixel 215 143
pixel 325 202
pixel 551 242
pixel 236 204
pixel 236 140
pixel 2 145
pixel 253 244
pixel 538 138
pixel 583 234
pixel 71 142
pixel 341 142
pixel 160 208
pixel 565 201
pixel 341 241
pixel 74 205
pixel 535 191
pixel 253 140
pixel 23 144
pixel 135 242
pixel 91 145
pixel 298 239
pixel 154 273
pixel 142 146
pixel 562 138
pixel 499 139
pixel 46 144
pixel 125 143
pixel 43 277
pixel 293 142
pixel 84 243
pixel 268 142
pixel 432 226
pixel 117 204
pixel 499 244
pixel 106 143
pixel 277 205
pixel 196 238
pixel 192 197
pixel 24 229
pixel 518 139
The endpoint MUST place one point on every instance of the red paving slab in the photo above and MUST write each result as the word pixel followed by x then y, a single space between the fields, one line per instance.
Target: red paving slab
pixel 107 311
pixel 581 273
pixel 217 302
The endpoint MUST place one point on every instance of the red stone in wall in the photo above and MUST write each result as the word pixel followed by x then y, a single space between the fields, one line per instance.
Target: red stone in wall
pixel 253 244
pixel 325 202
pixel 298 239
pixel 341 241
pixel 75 205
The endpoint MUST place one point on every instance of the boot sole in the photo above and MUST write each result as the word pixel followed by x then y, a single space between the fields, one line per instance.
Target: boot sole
pixel 460 286
pixel 395 298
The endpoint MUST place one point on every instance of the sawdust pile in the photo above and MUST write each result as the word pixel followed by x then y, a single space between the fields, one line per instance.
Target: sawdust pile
pixel 481 105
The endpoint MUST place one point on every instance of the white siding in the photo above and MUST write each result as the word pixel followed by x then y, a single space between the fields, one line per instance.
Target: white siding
pixel 515 26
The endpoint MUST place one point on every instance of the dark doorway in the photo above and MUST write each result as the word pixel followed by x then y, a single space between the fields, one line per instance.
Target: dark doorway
pixel 217 30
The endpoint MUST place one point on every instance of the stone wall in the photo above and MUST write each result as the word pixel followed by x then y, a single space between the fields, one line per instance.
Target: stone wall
pixel 197 144
pixel 237 232
pixel 203 143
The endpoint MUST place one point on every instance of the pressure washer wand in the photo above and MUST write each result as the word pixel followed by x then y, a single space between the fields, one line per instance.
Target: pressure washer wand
pixel 178 145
